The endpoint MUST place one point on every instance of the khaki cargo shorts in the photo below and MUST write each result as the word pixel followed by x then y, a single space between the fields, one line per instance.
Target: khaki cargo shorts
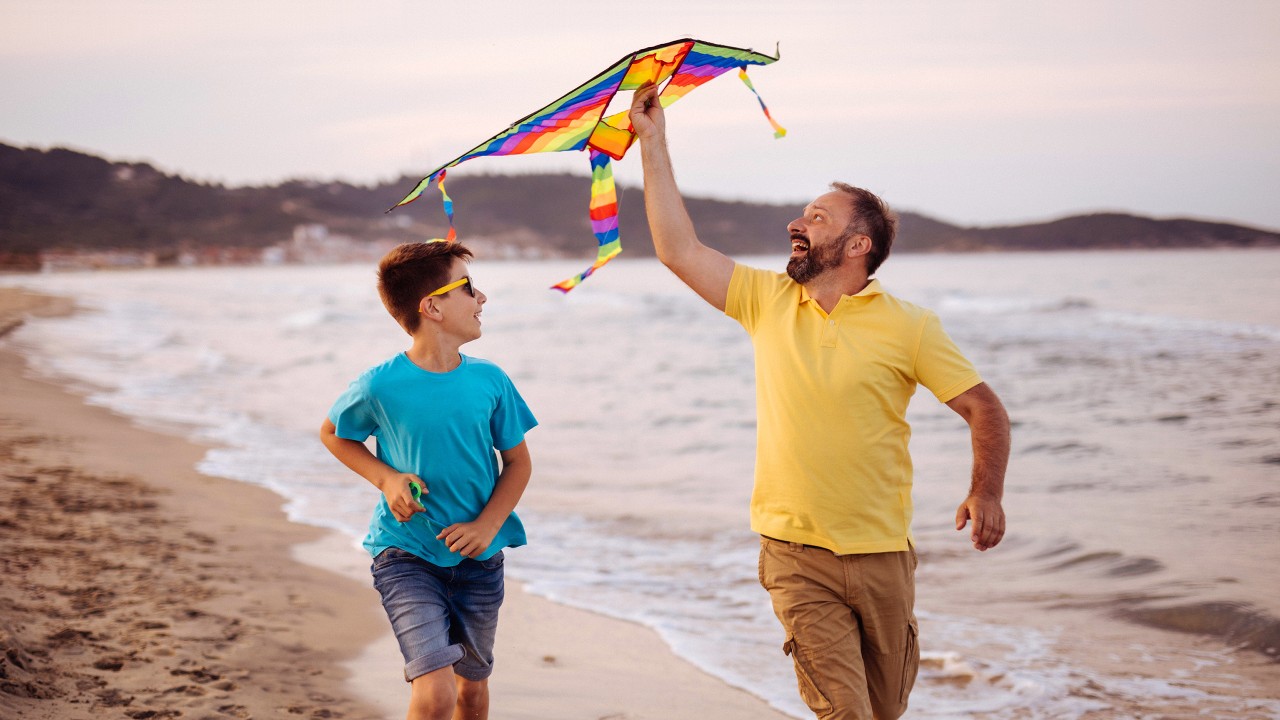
pixel 850 626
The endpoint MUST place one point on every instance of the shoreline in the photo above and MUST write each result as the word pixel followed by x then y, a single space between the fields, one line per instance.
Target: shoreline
pixel 136 582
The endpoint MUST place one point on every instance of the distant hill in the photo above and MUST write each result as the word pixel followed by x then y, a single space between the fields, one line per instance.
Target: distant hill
pixel 66 200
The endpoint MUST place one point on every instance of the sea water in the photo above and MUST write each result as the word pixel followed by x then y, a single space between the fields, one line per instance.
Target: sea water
pixel 1144 388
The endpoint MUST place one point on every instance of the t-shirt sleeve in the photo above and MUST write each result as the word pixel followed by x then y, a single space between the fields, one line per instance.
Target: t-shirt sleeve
pixel 940 366
pixel 512 418
pixel 353 414
pixel 743 300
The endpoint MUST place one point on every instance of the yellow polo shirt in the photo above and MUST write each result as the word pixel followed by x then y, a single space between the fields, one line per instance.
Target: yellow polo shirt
pixel 832 467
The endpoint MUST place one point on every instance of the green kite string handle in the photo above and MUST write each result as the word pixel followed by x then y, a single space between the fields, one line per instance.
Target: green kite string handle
pixel 435 527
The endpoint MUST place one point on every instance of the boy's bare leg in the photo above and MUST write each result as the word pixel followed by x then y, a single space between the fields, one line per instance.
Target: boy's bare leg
pixel 433 696
pixel 473 700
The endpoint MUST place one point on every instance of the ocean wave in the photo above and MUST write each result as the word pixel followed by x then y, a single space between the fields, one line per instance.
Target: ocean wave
pixel 1237 624
pixel 1169 324
pixel 1004 305
pixel 1110 563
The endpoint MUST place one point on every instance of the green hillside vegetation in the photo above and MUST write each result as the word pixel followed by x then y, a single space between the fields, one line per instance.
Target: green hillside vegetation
pixel 61 199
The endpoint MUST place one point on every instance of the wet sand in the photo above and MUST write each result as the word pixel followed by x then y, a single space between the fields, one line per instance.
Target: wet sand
pixel 135 586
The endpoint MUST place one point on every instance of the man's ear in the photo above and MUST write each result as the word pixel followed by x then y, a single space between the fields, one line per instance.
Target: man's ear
pixel 858 246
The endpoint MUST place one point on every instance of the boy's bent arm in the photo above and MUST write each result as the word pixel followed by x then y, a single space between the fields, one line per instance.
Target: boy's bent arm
pixel 393 483
pixel 706 270
pixel 471 539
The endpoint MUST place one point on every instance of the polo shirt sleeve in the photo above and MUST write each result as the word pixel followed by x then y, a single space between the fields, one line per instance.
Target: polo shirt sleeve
pixel 353 413
pixel 745 290
pixel 512 417
pixel 940 366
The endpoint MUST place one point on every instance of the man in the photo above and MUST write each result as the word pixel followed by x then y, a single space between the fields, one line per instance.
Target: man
pixel 837 360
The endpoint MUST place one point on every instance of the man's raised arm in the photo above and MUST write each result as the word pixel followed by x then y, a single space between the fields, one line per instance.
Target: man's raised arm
pixel 704 269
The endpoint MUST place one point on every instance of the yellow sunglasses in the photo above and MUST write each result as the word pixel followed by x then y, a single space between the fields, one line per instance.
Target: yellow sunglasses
pixel 465 280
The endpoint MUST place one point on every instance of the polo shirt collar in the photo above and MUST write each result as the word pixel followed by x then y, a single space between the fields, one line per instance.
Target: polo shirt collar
pixel 872 288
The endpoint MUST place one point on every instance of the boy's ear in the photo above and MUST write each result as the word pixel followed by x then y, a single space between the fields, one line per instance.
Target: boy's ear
pixel 428 309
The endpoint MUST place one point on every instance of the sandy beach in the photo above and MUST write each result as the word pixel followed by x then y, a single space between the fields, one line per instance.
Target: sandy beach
pixel 137 587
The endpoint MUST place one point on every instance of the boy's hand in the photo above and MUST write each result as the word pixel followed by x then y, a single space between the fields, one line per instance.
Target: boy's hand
pixel 468 539
pixel 399 495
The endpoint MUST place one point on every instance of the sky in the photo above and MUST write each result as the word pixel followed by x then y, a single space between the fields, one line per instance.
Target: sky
pixel 973 112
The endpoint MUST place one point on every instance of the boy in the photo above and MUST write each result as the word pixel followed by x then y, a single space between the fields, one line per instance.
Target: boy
pixel 446 511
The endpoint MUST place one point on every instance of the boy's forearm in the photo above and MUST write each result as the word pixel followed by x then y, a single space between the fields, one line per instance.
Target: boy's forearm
pixel 358 459
pixel 507 492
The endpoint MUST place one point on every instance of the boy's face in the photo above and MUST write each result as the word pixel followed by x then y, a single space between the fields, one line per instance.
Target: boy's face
pixel 460 307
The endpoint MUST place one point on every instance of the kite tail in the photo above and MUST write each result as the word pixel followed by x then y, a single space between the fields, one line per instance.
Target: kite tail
pixel 604 219
pixel 448 208
pixel 448 202
pixel 778 130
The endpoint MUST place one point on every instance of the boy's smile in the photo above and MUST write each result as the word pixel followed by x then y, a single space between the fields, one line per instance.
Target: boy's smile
pixel 461 305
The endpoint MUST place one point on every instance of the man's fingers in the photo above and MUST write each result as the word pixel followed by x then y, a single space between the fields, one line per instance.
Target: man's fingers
pixel 643 98
pixel 992 535
pixel 988 522
pixel 996 535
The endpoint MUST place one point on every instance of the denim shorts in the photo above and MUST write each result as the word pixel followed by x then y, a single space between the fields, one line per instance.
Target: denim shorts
pixel 442 616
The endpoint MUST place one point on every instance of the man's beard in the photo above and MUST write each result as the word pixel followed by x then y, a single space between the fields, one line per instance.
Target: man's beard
pixel 817 260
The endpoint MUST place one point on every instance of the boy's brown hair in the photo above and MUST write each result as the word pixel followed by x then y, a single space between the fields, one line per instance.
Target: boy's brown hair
pixel 412 270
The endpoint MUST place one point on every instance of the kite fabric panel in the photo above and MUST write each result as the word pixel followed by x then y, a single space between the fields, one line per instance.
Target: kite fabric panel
pixel 577 122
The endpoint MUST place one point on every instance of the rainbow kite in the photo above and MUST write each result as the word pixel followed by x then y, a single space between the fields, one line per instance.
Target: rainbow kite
pixel 576 122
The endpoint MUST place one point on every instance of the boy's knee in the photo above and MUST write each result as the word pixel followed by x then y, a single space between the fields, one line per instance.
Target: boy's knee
pixel 473 693
pixel 432 707
pixel 433 696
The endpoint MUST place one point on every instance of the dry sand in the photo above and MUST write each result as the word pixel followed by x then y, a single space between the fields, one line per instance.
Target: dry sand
pixel 133 586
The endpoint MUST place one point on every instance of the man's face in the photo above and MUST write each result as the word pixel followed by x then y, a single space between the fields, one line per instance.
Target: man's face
pixel 818 237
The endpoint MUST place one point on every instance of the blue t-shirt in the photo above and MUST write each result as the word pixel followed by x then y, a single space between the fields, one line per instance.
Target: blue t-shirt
pixel 444 428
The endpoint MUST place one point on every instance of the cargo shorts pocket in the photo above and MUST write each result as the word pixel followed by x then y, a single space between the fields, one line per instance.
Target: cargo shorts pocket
pixel 910 662
pixel 806 679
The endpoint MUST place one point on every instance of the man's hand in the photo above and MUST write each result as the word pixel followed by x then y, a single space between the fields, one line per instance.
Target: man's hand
pixel 647 117
pixel 469 539
pixel 400 496
pixel 988 520
pixel 989 427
